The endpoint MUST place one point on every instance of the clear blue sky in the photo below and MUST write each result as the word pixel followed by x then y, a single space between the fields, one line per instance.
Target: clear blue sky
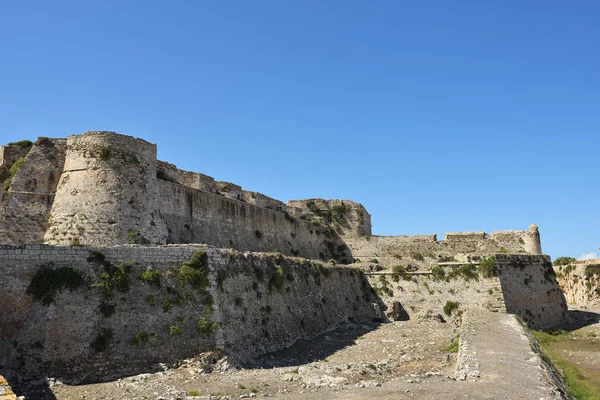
pixel 436 115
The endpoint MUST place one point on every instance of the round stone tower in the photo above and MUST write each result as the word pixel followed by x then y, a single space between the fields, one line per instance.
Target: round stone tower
pixel 532 240
pixel 107 193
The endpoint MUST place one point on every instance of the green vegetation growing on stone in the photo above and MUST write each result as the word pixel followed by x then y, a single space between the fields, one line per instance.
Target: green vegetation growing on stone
pixel 174 330
pixel 591 270
pixel 7 176
pixel 450 307
pixel 467 271
pixel 502 250
pixel 204 327
pixel 399 272
pixel 276 278
pixel 487 267
pixel 48 281
pixel 258 234
pixel 438 273
pixel 104 153
pixel 452 347
pixel 417 256
pixel 447 259
pixel 139 338
pixel 151 276
pixel 194 271
pixel 563 261
pixel 115 277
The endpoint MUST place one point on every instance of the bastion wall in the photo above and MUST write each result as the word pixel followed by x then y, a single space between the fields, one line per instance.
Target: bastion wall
pixel 102 188
pixel 119 324
pixel 525 285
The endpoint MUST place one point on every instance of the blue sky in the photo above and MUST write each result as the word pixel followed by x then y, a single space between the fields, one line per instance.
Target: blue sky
pixel 436 115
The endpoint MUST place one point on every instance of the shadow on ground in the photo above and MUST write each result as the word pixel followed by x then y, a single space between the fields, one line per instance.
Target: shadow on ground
pixel 578 319
pixel 320 347
pixel 33 390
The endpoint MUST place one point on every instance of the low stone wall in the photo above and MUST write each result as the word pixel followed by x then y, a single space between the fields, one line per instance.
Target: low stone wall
pixel 531 291
pixel 525 286
pixel 113 322
pixel 423 297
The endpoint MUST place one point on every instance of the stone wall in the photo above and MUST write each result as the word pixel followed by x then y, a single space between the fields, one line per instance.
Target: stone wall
pixel 107 193
pixel 195 216
pixel 25 208
pixel 525 286
pixel 103 327
pixel 531 290
pixel 425 251
pixel 580 289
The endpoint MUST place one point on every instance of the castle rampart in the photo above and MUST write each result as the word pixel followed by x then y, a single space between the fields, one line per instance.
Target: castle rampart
pixel 109 189
pixel 247 306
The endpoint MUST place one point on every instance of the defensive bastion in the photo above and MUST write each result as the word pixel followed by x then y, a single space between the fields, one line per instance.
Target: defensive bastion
pixel 131 237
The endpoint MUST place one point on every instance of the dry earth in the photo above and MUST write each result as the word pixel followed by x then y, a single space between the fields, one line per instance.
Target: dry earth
pixel 397 360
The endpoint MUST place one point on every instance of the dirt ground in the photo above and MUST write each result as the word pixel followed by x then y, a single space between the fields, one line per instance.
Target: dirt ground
pixel 342 363
pixel 397 360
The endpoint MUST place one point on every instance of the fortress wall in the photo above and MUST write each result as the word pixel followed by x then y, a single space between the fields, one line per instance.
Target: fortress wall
pixel 424 298
pixel 525 286
pixel 579 288
pixel 84 335
pixel 194 216
pixel 348 218
pixel 463 246
pixel 311 298
pixel 26 206
pixel 531 290
pixel 107 192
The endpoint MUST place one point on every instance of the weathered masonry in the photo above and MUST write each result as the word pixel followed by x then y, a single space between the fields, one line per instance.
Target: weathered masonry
pixel 102 188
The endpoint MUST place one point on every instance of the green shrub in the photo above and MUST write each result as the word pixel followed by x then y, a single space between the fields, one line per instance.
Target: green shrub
pixel 194 393
pixel 194 271
pixel 417 256
pixel 374 261
pixel 104 153
pixel 151 276
pixel 399 272
pixel 47 281
pixel 8 176
pixel 140 337
pixel 115 277
pixel 446 259
pixel 205 327
pixel 467 271
pixel 591 270
pixel 487 267
pixel 438 273
pixel 167 305
pixel 502 250
pixel 452 347
pixel 450 307
pixel 174 330
pixel 564 261
pixel 276 278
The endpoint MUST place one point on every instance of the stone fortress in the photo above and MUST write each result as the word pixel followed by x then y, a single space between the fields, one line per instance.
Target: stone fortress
pixel 102 204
